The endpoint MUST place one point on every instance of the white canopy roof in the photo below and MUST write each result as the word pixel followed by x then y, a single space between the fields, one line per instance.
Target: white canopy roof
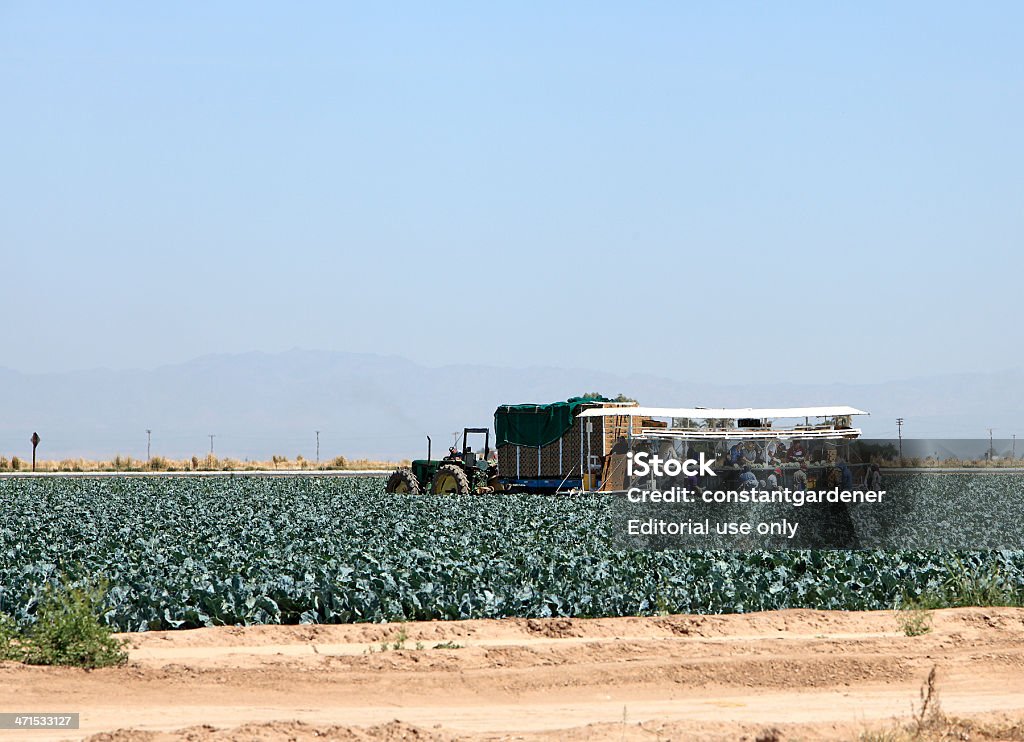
pixel 719 413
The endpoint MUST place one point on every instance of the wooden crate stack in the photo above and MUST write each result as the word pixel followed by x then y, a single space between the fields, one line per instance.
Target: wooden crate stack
pixel 561 458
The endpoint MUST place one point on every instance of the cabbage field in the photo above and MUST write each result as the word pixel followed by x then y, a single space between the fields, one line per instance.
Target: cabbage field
pixel 188 552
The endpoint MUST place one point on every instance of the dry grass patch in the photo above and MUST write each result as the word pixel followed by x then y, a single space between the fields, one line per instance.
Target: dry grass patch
pixel 197 463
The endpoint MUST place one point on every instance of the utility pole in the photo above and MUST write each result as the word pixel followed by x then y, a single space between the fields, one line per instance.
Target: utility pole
pixel 1013 451
pixel 318 446
pixel 899 428
pixel 212 436
pixel 991 450
pixel 149 440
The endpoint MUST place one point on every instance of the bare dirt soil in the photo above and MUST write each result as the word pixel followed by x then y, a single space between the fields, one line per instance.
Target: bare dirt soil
pixel 769 676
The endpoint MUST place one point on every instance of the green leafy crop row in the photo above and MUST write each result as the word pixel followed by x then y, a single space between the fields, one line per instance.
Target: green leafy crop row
pixel 244 550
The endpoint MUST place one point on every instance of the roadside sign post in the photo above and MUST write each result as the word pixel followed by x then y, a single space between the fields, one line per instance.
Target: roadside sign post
pixel 35 442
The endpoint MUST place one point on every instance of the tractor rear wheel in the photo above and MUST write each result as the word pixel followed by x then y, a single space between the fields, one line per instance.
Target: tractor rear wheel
pixel 449 480
pixel 402 482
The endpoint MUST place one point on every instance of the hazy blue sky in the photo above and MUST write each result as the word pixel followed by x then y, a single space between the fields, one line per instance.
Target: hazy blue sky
pixel 806 191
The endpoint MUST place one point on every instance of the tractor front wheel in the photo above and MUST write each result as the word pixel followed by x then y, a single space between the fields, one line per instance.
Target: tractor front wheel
pixel 402 482
pixel 450 480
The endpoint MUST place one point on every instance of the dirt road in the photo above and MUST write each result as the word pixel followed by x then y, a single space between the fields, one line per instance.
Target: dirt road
pixel 808 674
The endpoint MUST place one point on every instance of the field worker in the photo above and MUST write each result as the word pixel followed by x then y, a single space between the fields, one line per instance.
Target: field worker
pixel 874 478
pixel 747 478
pixel 796 452
pixel 773 479
pixel 750 453
pixel 774 452
pixel 846 475
pixel 735 454
pixel 800 477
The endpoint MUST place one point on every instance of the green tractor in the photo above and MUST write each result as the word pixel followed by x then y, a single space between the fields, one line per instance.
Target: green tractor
pixel 455 474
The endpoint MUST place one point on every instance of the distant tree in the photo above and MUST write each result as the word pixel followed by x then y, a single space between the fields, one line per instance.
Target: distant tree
pixel 877 451
pixel 598 395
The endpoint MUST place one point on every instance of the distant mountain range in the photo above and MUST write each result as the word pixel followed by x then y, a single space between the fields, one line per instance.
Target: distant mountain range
pixel 261 404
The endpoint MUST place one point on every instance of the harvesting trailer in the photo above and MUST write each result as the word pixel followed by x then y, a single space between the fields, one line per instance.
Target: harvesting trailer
pixel 455 474
pixel 584 442
pixel 539 447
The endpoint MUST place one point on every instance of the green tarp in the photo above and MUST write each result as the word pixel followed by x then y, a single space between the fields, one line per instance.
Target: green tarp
pixel 536 424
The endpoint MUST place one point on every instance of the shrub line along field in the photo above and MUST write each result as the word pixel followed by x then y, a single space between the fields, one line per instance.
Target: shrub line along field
pixel 209 551
pixel 195 465
pixel 186 474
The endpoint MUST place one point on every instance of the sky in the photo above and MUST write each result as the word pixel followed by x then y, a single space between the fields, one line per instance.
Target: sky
pixel 739 192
